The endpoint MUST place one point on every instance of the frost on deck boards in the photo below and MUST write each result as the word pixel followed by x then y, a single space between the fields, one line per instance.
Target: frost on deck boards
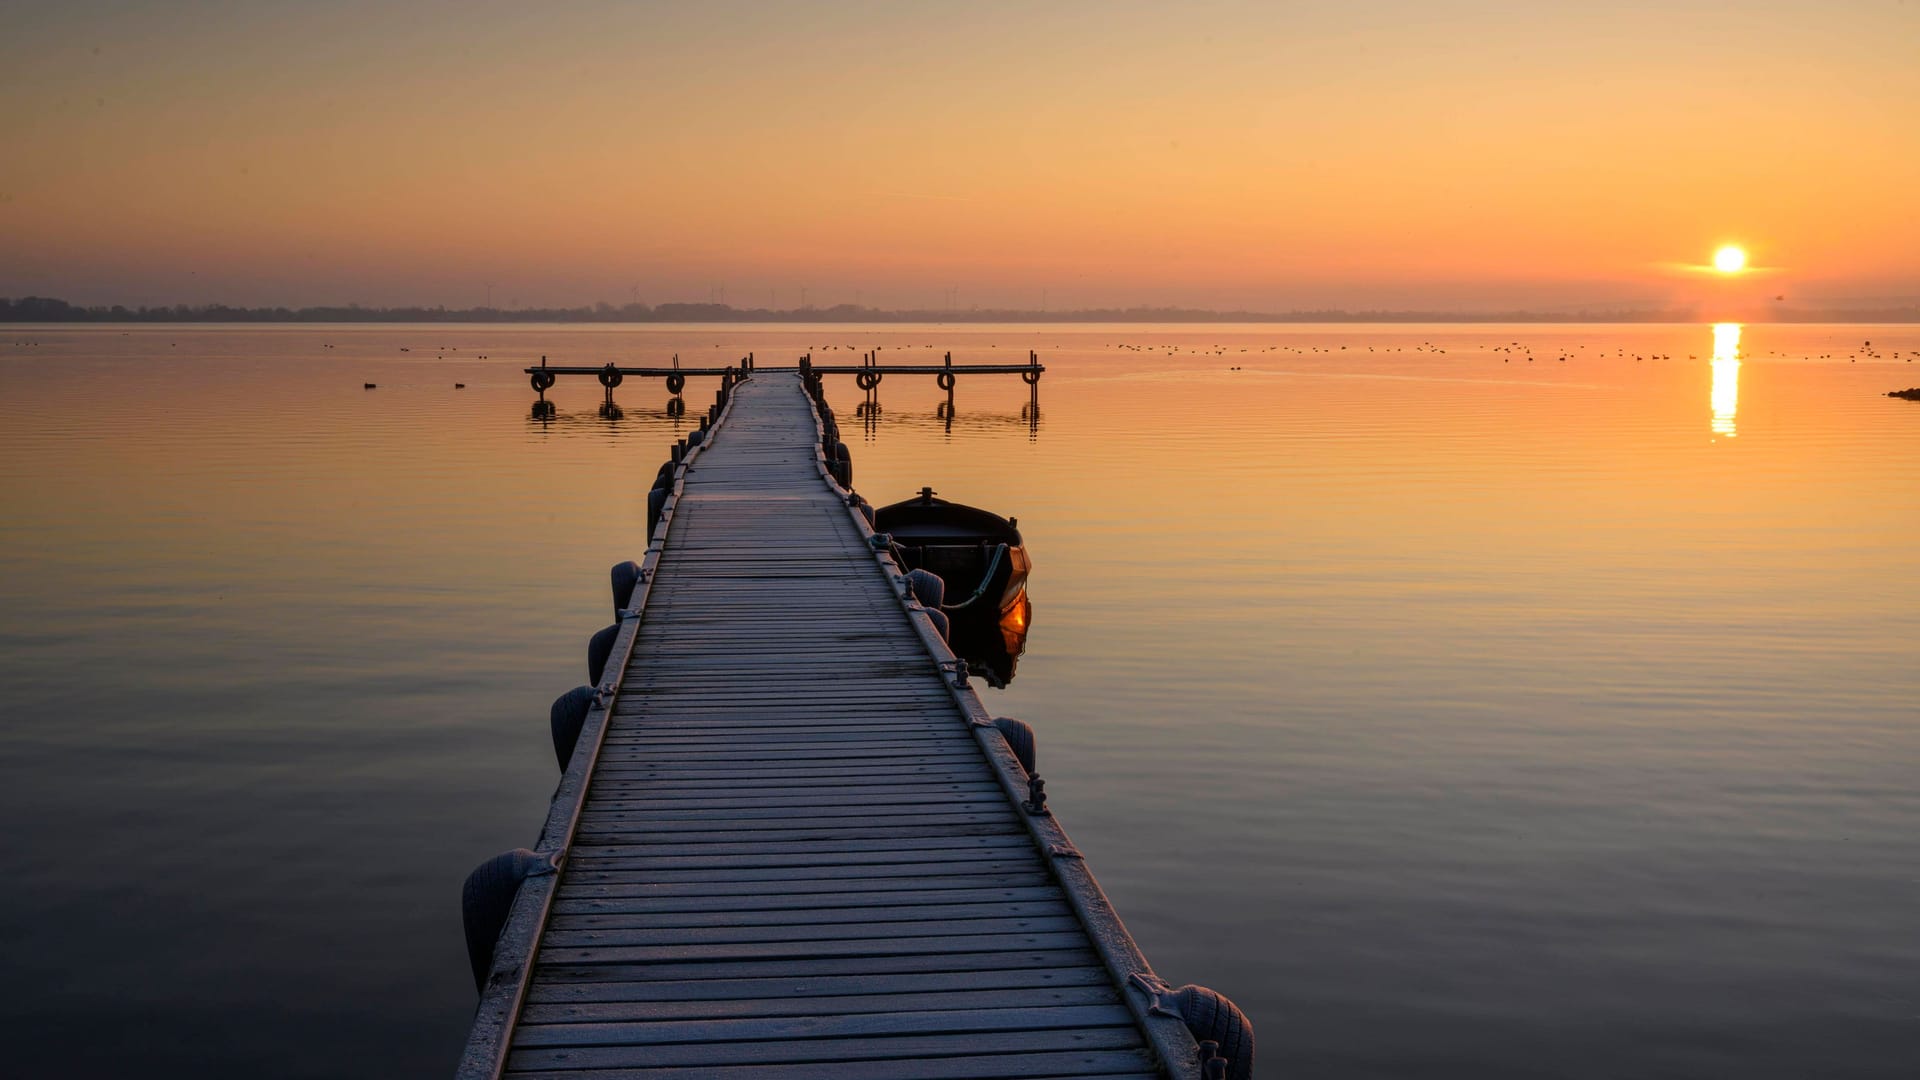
pixel 794 859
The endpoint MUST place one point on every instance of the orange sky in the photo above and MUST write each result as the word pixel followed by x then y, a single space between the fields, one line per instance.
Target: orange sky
pixel 1439 155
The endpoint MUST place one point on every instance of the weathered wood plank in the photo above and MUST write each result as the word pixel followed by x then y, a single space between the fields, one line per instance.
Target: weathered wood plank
pixel 622 850
pixel 632 885
pixel 751 905
pixel 783 869
pixel 871 1025
pixel 901 824
pixel 693 992
pixel 866 933
pixel 891 948
pixel 905 1048
pixel 1118 1064
pixel 565 917
pixel 1114 1065
pixel 989 964
pixel 1101 993
pixel 678 859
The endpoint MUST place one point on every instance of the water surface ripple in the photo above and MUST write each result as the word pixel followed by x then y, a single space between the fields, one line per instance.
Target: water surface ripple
pixel 1457 713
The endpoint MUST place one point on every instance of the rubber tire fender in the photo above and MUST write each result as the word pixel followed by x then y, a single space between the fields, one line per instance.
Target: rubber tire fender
pixel 927 587
pixel 656 505
pixel 1019 736
pixel 567 717
pixel 599 650
pixel 626 577
pixel 486 899
pixel 1213 1018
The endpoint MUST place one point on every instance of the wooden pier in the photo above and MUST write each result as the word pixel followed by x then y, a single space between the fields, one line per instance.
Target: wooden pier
pixel 544 375
pixel 790 841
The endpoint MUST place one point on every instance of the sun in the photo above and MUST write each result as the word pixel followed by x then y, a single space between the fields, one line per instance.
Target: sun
pixel 1730 259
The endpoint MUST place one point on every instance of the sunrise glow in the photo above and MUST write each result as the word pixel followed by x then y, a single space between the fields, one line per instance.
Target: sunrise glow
pixel 1730 259
pixel 1302 159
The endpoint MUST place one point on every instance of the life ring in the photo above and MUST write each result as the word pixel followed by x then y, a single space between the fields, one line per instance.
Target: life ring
pixel 1030 376
pixel 945 380
pixel 542 381
pixel 676 382
pixel 611 377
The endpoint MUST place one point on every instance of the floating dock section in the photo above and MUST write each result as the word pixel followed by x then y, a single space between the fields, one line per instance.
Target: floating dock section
pixel 789 840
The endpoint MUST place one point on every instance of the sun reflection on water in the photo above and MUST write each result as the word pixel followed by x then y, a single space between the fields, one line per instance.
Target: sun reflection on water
pixel 1726 377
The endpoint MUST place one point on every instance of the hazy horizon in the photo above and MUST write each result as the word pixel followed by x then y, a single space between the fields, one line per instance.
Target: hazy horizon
pixel 1397 156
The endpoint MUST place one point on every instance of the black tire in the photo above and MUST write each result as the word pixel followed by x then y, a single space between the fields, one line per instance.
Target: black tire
pixel 567 717
pixel 927 587
pixel 625 576
pixel 1019 736
pixel 676 382
pixel 541 381
pixel 1213 1018
pixel 944 380
pixel 599 650
pixel 656 505
pixel 611 377
pixel 486 899
pixel 1030 377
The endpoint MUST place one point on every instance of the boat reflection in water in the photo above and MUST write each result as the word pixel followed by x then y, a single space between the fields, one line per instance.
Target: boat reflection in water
pixel 984 564
pixel 1726 378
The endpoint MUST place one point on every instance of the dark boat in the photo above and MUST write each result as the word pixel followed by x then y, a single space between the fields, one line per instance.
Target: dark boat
pixel 984 563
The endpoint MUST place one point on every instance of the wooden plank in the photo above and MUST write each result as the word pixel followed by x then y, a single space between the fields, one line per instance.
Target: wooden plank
pixel 999 841
pixel 646 834
pixel 632 763
pixel 974 980
pixel 902 824
pixel 906 1048
pixel 775 868
pixel 807 967
pixel 564 917
pixel 1100 993
pixel 891 948
pixel 1118 1064
pixel 870 936
pixel 678 861
pixel 866 1025
pixel 613 809
pixel 676 905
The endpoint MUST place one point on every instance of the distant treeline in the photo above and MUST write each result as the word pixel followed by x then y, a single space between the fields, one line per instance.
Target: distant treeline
pixel 40 309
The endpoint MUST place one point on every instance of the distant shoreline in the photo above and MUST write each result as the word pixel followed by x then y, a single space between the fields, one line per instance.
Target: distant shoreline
pixel 35 309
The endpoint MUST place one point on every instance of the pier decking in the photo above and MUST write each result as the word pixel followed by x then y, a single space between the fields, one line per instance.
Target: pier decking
pixel 792 845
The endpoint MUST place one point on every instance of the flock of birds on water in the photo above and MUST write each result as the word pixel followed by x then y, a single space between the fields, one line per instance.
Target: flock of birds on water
pixel 1511 350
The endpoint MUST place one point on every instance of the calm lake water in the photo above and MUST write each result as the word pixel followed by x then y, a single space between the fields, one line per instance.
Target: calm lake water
pixel 1458 714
